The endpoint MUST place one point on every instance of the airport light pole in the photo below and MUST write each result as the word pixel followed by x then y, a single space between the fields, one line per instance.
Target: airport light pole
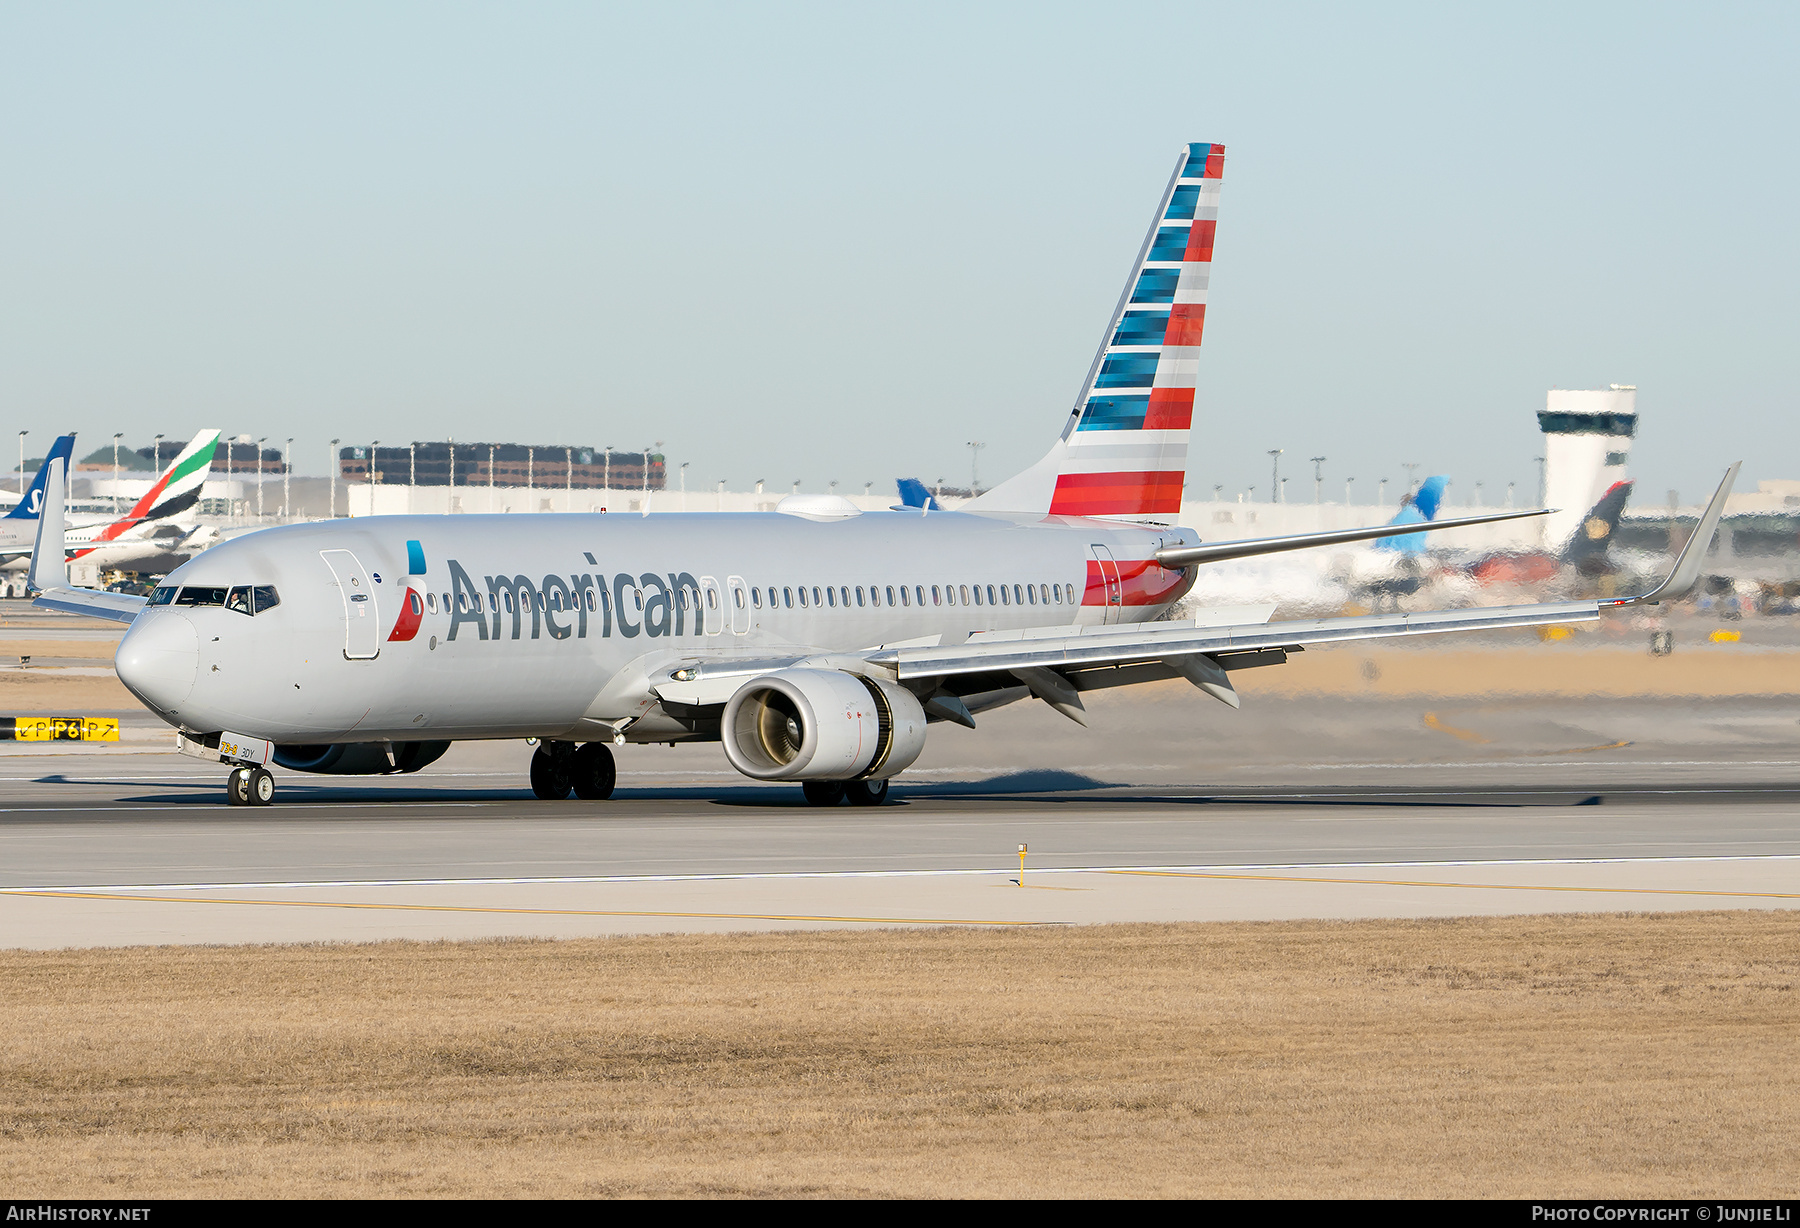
pixel 373 444
pixel 412 473
pixel 975 447
pixel 569 488
pixel 1478 494
pixel 1347 482
pixel 1381 493
pixel 331 507
pixel 530 461
pixel 683 476
pixel 721 494
pixel 490 479
pixel 1318 478
pixel 1218 491
pixel 230 503
pixel 1275 474
pixel 287 469
pixel 1509 494
pixel 22 435
pixel 259 508
pixel 659 447
pixel 606 473
pixel 1412 481
pixel 116 435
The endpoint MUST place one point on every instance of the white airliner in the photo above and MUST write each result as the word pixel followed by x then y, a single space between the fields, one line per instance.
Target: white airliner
pixel 816 642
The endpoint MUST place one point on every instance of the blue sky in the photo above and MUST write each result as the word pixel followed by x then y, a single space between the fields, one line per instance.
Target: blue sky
pixel 837 242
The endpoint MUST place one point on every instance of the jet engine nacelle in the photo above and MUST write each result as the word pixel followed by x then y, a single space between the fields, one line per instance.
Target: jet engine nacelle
pixel 821 724
pixel 360 758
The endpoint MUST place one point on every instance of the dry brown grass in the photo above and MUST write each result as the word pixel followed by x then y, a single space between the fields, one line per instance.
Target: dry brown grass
pixel 1640 1055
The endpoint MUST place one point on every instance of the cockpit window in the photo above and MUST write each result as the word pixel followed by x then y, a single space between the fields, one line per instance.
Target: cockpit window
pixel 192 595
pixel 266 597
pixel 239 600
pixel 164 595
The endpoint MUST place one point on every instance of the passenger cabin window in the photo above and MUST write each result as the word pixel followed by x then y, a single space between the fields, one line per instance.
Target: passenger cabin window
pixel 756 597
pixel 1003 596
pixel 1018 596
pixel 905 598
pixel 963 590
pixel 787 597
pixel 816 601
pixel 978 594
pixel 890 594
pixel 874 596
pixel 844 592
pixel 991 600
pixel 859 596
pixel 431 601
pixel 831 597
pixel 919 593
pixel 803 596
pixel 193 595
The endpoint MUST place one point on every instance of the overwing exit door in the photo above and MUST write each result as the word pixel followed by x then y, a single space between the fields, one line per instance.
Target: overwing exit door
pixel 1114 596
pixel 362 618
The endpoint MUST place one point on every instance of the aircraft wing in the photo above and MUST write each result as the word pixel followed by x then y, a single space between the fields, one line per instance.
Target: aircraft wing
pixel 50 581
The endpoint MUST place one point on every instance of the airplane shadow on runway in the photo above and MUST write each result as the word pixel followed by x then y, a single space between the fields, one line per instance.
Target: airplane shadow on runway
pixel 1034 787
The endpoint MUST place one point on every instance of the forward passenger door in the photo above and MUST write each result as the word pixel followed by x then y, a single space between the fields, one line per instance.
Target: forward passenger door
pixel 362 617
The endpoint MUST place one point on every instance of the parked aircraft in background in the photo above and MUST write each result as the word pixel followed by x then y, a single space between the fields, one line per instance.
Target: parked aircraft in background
pixel 1584 554
pixel 817 643
pixel 156 527
pixel 18 528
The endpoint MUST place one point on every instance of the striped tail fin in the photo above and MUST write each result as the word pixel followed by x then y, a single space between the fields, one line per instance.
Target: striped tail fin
pixel 1123 451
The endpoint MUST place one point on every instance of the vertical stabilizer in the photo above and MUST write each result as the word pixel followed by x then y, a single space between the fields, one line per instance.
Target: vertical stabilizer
pixel 32 500
pixel 1123 450
pixel 175 490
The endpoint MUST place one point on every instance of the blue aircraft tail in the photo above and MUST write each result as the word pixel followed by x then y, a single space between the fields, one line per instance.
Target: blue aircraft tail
pixel 1421 505
pixel 33 498
pixel 914 494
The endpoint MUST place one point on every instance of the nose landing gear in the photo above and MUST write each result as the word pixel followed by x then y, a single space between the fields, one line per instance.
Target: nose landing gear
pixel 250 786
pixel 560 767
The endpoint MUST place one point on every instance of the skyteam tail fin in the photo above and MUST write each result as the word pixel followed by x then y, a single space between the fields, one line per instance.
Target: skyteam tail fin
pixel 32 501
pixel 176 490
pixel 1123 450
pixel 1417 508
pixel 914 494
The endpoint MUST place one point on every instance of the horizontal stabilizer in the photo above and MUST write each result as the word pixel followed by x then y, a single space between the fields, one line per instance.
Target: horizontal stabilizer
pixel 1187 556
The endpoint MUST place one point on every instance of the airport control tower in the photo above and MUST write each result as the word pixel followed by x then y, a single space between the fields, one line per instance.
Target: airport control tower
pixel 1587 438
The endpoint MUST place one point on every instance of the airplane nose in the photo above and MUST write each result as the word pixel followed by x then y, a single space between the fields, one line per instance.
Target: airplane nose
pixel 158 660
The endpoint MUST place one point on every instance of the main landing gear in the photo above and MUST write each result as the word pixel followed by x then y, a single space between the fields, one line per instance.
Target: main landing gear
pixel 561 767
pixel 856 792
pixel 250 786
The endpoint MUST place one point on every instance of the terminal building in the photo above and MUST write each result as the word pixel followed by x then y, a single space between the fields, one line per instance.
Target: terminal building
pixel 453 463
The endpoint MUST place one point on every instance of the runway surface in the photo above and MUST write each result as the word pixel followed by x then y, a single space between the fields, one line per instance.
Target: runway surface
pixel 1169 809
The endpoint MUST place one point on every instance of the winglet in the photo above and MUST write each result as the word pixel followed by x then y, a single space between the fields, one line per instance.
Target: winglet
pixel 1681 577
pixel 47 554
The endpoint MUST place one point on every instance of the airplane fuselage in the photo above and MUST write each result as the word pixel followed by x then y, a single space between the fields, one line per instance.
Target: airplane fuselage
pixel 415 628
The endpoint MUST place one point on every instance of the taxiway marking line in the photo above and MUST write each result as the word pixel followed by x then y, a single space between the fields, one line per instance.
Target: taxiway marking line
pixel 575 880
pixel 532 912
pixel 1404 882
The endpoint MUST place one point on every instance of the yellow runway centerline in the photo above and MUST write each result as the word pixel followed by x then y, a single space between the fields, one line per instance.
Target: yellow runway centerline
pixel 1409 882
pixel 531 912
